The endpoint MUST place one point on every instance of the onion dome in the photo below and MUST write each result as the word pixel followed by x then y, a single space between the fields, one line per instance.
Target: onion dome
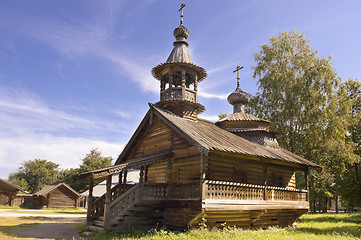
pixel 245 125
pixel 238 99
pixel 181 34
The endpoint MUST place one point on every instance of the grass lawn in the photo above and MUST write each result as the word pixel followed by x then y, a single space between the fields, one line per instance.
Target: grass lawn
pixel 311 226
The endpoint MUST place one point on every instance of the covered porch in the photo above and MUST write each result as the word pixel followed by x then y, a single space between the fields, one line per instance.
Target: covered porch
pixel 197 197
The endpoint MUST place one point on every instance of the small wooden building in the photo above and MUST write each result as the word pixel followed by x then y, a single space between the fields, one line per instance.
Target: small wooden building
pixel 56 195
pixel 193 171
pixel 8 192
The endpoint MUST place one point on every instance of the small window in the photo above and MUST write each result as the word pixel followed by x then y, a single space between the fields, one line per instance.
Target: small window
pixel 240 175
pixel 278 181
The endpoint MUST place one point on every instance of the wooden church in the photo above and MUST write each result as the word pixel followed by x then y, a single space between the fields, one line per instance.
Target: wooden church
pixel 194 172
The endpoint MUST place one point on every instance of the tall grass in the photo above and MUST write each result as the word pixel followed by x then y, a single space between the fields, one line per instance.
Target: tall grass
pixel 325 226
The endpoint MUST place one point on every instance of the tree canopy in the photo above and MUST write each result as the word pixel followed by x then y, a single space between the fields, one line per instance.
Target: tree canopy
pixel 92 161
pixel 33 175
pixel 301 93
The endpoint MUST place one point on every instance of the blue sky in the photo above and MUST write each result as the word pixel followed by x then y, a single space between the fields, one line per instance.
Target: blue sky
pixel 75 74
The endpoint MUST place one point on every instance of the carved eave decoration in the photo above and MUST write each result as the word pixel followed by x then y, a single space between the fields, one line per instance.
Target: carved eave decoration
pixel 164 68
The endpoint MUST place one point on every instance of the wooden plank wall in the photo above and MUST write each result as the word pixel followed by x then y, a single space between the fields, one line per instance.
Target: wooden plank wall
pixel 4 197
pixel 286 173
pixel 223 168
pixel 61 198
pixel 156 139
pixel 160 138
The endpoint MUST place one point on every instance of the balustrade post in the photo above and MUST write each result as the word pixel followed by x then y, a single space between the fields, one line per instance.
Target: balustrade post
pixel 108 196
pixel 90 202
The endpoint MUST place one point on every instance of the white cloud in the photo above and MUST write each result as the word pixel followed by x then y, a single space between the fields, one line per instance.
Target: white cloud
pixel 65 151
pixel 30 129
pixel 22 110
pixel 212 95
pixel 212 118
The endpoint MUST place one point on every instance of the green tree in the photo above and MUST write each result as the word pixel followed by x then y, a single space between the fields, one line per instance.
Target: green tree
pixel 350 184
pixel 222 115
pixel 300 92
pixel 33 175
pixel 92 161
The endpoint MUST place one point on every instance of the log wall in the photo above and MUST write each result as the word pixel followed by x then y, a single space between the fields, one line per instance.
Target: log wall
pixel 5 197
pixel 160 138
pixel 61 198
pixel 235 169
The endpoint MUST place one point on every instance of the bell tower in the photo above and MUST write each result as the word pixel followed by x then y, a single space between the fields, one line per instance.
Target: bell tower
pixel 179 77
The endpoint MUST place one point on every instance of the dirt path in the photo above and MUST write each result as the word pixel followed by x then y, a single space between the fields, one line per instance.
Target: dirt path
pixel 47 225
pixel 48 230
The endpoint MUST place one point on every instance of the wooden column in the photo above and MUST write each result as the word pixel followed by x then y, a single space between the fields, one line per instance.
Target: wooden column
pixel 265 168
pixel 170 73
pixel 125 176
pixel 141 174
pixel 184 84
pixel 90 201
pixel 146 174
pixel 120 176
pixel 169 170
pixel 196 87
pixel 203 187
pixel 108 200
pixel 306 185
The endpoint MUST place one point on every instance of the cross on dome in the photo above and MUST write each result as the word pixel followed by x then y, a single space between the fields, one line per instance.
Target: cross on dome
pixel 238 78
pixel 181 10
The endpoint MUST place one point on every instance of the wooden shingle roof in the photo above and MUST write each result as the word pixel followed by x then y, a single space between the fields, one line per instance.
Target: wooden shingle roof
pixel 242 116
pixel 206 136
pixel 54 186
pixel 9 187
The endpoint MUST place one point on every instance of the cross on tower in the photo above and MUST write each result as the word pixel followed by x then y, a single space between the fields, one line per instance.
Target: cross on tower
pixel 181 10
pixel 237 70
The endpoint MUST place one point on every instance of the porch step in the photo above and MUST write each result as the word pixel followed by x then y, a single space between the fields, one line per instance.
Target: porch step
pixel 95 228
pixel 98 223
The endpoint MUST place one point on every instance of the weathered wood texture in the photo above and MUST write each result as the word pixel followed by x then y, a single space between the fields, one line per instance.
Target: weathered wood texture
pixel 157 138
pixel 5 197
pixel 61 197
pixel 23 200
pixel 238 169
pixel 258 218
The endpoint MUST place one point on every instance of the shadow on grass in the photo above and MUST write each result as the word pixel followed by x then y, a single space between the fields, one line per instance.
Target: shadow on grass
pixel 354 231
pixel 354 218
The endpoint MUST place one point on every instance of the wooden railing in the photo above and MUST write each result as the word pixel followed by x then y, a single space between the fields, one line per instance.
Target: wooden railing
pixel 241 191
pixel 98 204
pixel 172 191
pixel 124 202
pixel 175 93
pixel 129 195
